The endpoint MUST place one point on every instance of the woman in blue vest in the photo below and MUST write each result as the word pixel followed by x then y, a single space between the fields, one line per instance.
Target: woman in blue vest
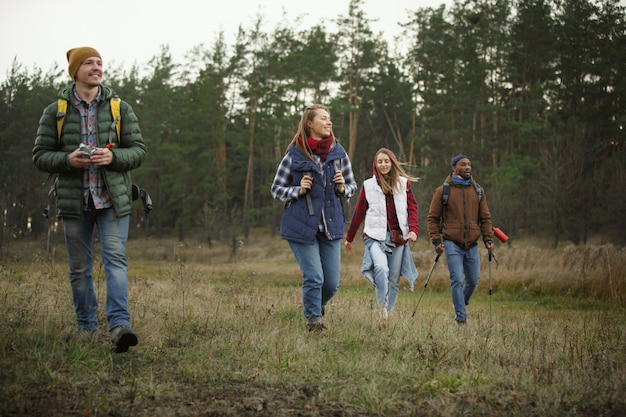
pixel 311 178
pixel 389 209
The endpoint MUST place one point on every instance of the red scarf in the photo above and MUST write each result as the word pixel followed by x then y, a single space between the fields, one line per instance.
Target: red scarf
pixel 320 147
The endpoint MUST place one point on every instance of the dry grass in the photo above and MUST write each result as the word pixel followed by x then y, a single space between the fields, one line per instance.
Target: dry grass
pixel 221 333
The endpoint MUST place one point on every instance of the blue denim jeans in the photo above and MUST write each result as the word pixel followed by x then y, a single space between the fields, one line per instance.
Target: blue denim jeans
pixel 387 261
pixel 79 241
pixel 320 264
pixel 464 268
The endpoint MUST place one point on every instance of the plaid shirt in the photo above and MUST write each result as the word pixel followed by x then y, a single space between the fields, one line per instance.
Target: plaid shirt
pixel 93 180
pixel 284 190
pixel 362 205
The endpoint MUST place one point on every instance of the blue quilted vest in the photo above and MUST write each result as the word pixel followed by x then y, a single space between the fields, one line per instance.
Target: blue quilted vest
pixel 297 224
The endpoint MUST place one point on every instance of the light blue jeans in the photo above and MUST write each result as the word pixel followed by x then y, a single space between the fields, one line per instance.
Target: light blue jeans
pixel 387 265
pixel 464 268
pixel 320 264
pixel 79 241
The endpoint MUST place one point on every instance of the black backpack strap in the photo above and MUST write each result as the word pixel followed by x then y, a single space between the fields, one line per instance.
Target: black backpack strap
pixel 444 199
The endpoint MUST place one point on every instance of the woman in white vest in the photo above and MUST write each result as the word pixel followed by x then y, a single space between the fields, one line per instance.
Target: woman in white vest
pixel 389 209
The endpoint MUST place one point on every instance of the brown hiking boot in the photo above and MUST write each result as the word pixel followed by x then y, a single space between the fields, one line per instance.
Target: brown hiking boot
pixel 315 327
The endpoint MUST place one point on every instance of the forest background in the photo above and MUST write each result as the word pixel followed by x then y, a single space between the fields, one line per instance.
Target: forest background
pixel 533 91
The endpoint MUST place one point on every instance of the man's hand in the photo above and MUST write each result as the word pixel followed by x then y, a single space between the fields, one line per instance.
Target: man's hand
pixel 490 246
pixel 78 159
pixel 101 156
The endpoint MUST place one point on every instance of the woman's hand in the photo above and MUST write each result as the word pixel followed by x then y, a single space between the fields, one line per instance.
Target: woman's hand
pixel 339 181
pixel 305 184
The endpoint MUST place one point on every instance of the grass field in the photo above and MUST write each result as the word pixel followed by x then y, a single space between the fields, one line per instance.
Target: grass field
pixel 222 334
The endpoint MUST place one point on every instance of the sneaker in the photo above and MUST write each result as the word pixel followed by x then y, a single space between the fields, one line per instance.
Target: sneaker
pixel 384 314
pixel 122 338
pixel 460 322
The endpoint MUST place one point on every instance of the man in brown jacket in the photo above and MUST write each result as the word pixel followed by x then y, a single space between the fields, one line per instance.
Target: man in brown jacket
pixel 455 228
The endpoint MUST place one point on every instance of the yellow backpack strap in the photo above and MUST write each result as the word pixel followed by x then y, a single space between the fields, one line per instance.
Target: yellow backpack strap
pixel 116 113
pixel 61 109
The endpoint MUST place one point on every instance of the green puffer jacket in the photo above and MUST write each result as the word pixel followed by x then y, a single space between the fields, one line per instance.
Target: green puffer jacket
pixel 51 154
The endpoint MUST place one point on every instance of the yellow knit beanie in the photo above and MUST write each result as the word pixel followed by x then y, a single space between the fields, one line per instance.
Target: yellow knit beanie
pixel 76 56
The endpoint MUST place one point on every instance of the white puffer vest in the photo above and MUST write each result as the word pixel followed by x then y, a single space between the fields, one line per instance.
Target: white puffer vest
pixel 375 225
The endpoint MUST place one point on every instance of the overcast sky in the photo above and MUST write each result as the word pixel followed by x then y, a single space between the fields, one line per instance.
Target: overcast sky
pixel 125 32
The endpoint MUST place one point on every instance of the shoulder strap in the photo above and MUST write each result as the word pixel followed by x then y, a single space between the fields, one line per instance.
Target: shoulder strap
pixel 446 193
pixel 61 109
pixel 115 112
pixel 444 199
pixel 479 191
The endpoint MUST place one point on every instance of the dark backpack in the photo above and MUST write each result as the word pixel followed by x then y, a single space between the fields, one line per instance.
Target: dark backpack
pixel 446 194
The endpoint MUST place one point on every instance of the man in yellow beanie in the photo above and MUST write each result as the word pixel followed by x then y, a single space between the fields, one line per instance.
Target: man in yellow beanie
pixel 93 189
pixel 76 56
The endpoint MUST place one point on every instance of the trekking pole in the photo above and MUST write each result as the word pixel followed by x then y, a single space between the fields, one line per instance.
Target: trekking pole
pixel 491 256
pixel 426 284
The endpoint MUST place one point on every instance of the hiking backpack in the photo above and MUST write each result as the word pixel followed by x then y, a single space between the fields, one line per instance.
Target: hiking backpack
pixel 446 194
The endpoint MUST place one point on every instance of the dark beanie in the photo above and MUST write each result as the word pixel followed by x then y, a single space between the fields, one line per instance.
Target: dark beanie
pixel 76 56
pixel 457 159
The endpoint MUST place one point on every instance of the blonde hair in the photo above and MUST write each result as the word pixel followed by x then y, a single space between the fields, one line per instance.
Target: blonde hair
pixel 391 182
pixel 303 131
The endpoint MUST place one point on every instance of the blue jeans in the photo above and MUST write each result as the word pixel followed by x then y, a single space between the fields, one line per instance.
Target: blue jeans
pixel 463 265
pixel 113 234
pixel 387 268
pixel 320 264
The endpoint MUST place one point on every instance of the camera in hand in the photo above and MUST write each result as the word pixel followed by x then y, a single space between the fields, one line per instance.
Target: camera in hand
pixel 86 149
